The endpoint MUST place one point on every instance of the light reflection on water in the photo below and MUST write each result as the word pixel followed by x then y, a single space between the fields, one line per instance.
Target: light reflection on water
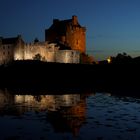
pixel 73 116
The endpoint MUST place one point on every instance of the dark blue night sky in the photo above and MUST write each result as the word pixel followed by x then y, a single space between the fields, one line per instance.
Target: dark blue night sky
pixel 113 26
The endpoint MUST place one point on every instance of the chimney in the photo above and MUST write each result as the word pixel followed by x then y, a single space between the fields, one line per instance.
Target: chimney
pixel 74 20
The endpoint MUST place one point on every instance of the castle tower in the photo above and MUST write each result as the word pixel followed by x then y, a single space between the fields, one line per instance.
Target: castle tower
pixel 68 32
pixel 11 49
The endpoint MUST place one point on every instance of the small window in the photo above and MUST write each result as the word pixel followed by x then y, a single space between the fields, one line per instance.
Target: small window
pixel 3 53
pixel 8 52
pixel 4 47
pixel 77 42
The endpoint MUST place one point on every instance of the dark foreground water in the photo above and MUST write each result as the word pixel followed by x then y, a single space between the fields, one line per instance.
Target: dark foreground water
pixel 92 116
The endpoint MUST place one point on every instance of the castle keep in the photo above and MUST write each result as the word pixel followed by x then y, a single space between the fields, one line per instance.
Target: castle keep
pixel 64 41
pixel 68 32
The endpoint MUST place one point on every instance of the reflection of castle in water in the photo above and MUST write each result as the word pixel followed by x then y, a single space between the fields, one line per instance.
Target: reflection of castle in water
pixel 65 112
pixel 68 118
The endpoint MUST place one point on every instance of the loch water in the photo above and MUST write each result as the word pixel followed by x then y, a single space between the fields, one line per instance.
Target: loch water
pixel 90 115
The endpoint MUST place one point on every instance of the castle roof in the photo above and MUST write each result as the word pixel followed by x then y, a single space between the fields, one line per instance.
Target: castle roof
pixel 9 40
pixel 60 26
pixel 12 40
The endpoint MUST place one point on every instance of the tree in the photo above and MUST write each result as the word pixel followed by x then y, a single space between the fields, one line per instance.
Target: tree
pixel 37 57
pixel 122 58
pixel 86 59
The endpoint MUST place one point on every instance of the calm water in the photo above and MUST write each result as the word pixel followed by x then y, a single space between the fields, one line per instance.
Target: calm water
pixel 93 116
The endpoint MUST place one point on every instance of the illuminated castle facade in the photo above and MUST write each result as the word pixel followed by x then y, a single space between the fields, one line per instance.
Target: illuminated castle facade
pixel 64 41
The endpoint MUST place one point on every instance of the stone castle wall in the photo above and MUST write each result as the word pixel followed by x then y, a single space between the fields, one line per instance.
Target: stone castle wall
pixel 51 53
pixel 18 49
pixel 67 56
pixel 48 53
pixel 6 53
pixel 30 50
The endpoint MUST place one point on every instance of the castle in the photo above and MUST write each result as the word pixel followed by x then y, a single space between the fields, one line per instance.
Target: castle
pixel 64 41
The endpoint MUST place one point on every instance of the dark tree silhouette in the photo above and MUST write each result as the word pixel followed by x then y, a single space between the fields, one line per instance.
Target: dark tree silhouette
pixel 122 58
pixel 37 57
